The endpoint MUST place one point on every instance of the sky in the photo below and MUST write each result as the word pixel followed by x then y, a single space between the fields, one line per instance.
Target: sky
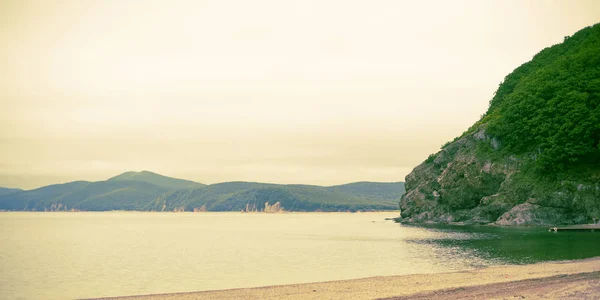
pixel 314 92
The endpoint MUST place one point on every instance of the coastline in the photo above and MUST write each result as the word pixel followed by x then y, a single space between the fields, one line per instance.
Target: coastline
pixel 561 279
pixel 493 224
pixel 202 212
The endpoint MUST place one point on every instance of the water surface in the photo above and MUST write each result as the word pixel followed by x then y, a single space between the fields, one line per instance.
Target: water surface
pixel 79 255
pixel 517 245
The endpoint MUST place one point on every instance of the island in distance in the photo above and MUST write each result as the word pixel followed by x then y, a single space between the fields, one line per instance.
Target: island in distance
pixel 148 191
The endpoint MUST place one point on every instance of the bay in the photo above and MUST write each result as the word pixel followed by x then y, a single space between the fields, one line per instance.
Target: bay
pixel 85 254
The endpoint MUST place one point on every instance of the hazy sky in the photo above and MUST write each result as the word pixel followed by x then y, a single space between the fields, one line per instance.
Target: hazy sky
pixel 317 92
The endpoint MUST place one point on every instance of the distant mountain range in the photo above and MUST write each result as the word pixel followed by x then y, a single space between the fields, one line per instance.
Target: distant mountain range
pixel 148 191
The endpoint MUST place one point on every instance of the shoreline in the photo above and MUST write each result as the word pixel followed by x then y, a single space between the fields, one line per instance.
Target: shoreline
pixel 493 224
pixel 559 279
pixel 201 212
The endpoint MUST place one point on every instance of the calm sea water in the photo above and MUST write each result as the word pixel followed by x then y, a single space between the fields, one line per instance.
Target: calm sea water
pixel 79 255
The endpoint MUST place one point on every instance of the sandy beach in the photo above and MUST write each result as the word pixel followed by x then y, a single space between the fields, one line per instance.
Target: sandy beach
pixel 578 279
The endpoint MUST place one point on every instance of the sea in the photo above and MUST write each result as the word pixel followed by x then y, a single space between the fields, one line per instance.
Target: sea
pixel 74 255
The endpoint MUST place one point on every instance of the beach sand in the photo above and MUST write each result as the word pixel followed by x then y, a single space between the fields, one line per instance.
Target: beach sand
pixel 578 279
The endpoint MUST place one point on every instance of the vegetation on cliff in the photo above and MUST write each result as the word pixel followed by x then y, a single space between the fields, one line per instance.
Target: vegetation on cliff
pixel 550 105
pixel 533 158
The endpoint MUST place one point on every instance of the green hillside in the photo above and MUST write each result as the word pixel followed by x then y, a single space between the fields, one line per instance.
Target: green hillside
pixel 157 179
pixel 374 190
pixel 5 191
pixel 82 195
pixel 533 158
pixel 29 200
pixel 147 191
pixel 551 106
pixel 235 196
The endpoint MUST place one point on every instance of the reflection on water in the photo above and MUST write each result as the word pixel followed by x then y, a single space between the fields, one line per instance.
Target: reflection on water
pixel 516 245
pixel 79 255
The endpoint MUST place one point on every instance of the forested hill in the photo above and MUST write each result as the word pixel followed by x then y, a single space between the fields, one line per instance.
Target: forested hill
pixel 550 106
pixel 157 179
pixel 533 158
pixel 147 191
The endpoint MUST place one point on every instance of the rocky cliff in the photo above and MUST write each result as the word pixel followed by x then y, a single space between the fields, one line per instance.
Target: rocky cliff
pixel 532 159
pixel 462 183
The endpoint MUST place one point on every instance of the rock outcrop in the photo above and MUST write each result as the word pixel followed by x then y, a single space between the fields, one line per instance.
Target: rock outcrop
pixel 200 209
pixel 273 208
pixel 467 182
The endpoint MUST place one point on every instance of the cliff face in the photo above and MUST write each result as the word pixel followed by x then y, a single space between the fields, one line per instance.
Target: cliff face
pixel 533 158
pixel 466 182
